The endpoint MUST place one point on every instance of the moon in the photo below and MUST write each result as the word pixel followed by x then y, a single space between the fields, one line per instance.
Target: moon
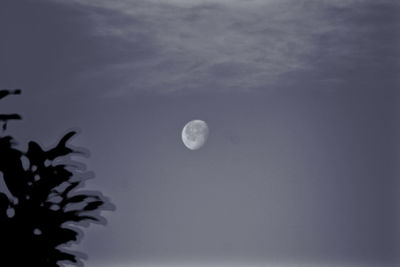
pixel 194 134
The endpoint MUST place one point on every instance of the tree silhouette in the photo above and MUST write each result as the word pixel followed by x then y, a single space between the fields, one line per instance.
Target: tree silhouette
pixel 41 204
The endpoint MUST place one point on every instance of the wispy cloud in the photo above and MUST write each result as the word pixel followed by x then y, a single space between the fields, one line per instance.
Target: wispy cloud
pixel 177 45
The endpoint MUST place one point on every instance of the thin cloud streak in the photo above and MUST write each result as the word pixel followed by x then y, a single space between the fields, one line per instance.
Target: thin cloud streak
pixel 219 45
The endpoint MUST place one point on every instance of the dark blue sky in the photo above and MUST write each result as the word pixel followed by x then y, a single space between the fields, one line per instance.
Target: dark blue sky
pixel 300 97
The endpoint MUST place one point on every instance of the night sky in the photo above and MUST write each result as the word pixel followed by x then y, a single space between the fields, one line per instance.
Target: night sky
pixel 301 98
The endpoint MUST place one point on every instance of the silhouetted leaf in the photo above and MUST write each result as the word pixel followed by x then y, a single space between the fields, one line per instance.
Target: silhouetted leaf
pixel 6 117
pixel 64 256
pixel 76 216
pixel 69 188
pixel 6 92
pixel 61 149
pixel 76 199
pixel 63 235
pixel 93 205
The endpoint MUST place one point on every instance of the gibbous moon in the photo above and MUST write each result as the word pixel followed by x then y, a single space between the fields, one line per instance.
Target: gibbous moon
pixel 195 134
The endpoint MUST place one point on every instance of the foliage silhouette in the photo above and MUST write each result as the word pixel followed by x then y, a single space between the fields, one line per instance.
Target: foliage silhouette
pixel 41 205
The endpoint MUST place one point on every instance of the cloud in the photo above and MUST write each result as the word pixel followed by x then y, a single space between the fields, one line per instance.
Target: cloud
pixel 221 45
